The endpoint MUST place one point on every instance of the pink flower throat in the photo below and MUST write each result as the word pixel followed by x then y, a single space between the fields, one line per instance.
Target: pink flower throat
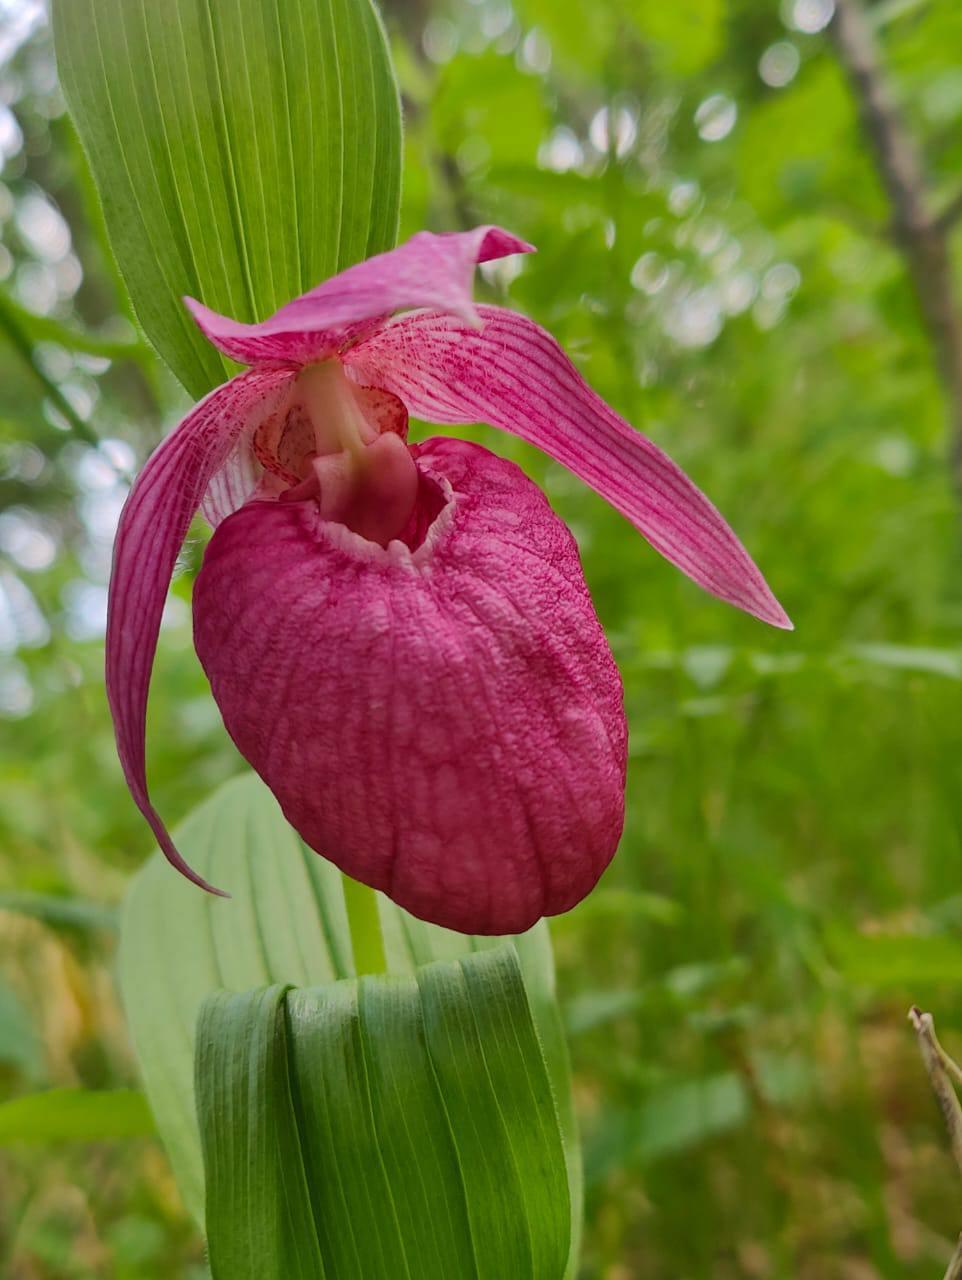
pixel 343 446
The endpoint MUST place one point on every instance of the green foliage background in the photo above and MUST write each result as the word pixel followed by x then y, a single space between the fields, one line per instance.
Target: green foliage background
pixel 714 253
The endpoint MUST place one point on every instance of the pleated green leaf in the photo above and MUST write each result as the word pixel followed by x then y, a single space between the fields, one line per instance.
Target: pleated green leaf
pixel 244 150
pixel 259 1204
pixel 285 923
pixel 400 1127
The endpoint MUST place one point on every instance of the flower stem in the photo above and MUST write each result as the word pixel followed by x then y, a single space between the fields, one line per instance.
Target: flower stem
pixel 364 923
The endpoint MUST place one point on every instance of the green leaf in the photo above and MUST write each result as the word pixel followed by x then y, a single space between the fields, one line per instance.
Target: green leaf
pixel 75 1115
pixel 687 35
pixel 580 46
pixel 243 151
pixel 259 1217
pixel 60 911
pixel 20 1046
pixel 49 329
pixel 285 923
pixel 20 341
pixel 673 1119
pixel 507 120
pixel 501 1113
pixel 799 150
pixel 392 1126
pixel 904 961
pixel 922 659
pixel 681 1115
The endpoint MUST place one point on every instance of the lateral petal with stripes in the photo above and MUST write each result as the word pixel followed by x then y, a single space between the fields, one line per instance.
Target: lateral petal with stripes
pixel 512 374
pixel 151 532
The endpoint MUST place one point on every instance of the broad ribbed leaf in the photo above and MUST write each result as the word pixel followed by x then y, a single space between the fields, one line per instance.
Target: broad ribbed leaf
pixel 244 150
pixel 402 1127
pixel 259 1209
pixel 285 923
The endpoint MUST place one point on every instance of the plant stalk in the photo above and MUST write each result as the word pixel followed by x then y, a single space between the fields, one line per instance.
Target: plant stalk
pixel 364 922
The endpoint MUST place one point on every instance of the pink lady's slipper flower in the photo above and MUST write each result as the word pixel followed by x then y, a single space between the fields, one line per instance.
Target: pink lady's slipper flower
pixel 399 637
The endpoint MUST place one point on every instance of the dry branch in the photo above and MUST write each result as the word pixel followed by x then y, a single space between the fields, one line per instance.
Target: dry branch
pixel 920 234
pixel 942 1071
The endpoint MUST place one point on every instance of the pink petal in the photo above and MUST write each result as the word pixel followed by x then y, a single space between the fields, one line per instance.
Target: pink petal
pixel 234 482
pixel 515 376
pixel 445 724
pixel 153 525
pixel 426 271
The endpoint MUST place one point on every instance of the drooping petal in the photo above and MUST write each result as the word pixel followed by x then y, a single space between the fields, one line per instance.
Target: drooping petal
pixel 514 375
pixel 426 271
pixel 445 724
pixel 152 528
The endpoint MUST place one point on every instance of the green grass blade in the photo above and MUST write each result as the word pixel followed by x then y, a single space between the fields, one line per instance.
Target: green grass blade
pixel 75 1115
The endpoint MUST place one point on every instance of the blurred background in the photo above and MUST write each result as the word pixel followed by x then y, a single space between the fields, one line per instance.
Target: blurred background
pixel 746 217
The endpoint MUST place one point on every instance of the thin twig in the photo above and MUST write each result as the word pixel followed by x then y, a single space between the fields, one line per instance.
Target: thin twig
pixel 951 214
pixel 954 1270
pixel 20 341
pixel 920 235
pixel 942 1070
pixel 952 1067
pixel 899 163
pixel 45 328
